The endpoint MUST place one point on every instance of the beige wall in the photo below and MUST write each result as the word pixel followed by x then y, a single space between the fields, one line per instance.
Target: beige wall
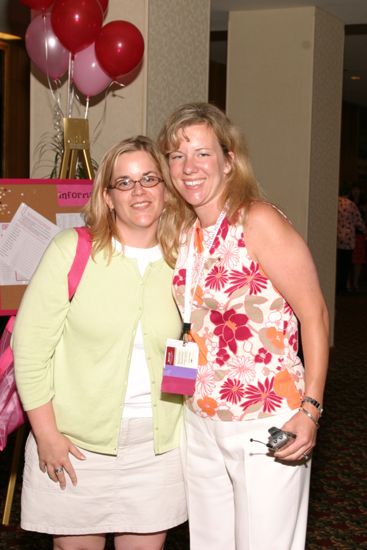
pixel 284 83
pixel 173 33
pixel 178 63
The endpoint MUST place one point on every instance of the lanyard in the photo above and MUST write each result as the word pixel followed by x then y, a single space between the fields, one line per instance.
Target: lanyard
pixel 190 268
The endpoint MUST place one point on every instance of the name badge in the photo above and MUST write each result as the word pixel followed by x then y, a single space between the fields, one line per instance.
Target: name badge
pixel 180 367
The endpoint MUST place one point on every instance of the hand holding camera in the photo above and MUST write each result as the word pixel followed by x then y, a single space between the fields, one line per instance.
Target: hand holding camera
pixel 277 439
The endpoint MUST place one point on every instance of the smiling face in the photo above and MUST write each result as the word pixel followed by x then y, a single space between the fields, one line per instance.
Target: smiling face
pixel 137 210
pixel 198 169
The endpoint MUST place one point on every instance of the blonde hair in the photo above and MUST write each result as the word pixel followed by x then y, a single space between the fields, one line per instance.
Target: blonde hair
pixel 241 187
pixel 101 220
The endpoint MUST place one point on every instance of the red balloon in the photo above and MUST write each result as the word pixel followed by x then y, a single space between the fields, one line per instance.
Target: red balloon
pixel 126 79
pixel 37 4
pixel 76 23
pixel 119 48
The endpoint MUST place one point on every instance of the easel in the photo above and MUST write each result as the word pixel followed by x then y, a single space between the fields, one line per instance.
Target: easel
pixel 76 143
pixel 18 446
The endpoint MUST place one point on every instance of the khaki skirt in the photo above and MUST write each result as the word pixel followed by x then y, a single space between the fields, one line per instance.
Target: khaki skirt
pixel 133 492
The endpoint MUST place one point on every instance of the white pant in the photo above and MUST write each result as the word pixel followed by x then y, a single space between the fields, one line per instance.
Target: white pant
pixel 238 497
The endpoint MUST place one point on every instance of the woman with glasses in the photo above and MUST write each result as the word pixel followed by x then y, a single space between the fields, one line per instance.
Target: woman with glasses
pixel 102 454
pixel 243 280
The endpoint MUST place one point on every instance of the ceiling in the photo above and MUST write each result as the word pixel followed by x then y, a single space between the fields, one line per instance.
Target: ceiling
pixel 353 13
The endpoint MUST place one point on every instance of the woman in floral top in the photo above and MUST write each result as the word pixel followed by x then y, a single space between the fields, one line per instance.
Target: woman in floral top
pixel 250 278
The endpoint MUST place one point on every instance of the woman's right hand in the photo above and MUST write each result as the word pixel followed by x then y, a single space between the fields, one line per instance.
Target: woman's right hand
pixel 53 453
pixel 53 447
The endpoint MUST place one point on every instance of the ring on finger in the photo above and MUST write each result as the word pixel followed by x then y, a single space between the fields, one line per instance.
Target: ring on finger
pixel 306 456
pixel 58 470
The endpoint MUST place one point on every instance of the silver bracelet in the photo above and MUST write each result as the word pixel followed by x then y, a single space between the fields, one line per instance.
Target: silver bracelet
pixel 310 416
pixel 312 401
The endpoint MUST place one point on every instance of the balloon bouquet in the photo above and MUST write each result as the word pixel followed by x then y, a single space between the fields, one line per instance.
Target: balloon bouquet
pixel 68 36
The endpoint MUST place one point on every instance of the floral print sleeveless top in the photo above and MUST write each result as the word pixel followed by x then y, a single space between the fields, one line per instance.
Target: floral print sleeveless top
pixel 246 332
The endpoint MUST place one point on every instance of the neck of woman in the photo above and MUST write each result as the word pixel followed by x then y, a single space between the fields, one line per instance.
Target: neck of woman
pixel 139 239
pixel 208 214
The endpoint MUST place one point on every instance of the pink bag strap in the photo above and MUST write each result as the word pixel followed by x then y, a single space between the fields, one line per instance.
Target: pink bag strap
pixel 82 255
pixel 10 324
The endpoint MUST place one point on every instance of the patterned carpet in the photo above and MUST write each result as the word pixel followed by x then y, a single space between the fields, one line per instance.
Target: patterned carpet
pixel 338 503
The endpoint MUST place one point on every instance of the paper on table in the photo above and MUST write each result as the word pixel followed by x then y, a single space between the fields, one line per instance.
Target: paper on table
pixel 26 239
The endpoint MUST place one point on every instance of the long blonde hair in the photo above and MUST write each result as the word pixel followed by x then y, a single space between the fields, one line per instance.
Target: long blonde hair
pixel 101 220
pixel 240 187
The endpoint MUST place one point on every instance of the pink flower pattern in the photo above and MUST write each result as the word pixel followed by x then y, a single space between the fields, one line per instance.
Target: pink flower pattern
pixel 248 276
pixel 179 278
pixel 230 327
pixel 217 278
pixel 262 393
pixel 242 367
pixel 293 341
pixel 263 356
pixel 242 363
pixel 221 235
pixel 232 391
pixel 222 357
pixel 205 380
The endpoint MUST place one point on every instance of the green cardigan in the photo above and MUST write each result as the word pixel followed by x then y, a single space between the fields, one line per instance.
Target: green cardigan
pixel 78 354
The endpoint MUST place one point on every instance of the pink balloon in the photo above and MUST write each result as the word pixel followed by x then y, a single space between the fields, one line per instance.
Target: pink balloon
pixel 88 75
pixel 45 49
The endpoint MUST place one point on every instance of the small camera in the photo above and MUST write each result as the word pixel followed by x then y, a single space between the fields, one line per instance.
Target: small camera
pixel 278 438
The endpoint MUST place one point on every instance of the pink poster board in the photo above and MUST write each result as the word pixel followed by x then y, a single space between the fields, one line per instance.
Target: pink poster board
pixel 48 197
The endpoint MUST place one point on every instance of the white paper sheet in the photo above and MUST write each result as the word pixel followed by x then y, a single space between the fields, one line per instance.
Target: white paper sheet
pixel 69 219
pixel 25 240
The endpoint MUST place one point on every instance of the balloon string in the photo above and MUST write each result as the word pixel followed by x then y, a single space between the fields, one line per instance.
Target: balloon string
pixel 70 97
pixel 46 45
pixel 86 107
pixel 100 6
pixel 44 21
pixel 55 93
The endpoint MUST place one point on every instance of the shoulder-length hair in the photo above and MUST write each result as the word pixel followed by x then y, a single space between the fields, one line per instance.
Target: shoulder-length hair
pixel 101 220
pixel 240 186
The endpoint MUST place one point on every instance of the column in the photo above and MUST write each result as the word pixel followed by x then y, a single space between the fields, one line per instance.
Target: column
pixel 284 89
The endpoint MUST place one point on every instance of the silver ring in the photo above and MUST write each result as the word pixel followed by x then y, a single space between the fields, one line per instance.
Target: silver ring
pixel 306 457
pixel 59 470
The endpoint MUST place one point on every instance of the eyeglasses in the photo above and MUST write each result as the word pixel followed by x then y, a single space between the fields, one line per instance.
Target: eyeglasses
pixel 127 184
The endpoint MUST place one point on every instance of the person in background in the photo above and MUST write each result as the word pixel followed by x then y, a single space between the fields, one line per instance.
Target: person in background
pixel 102 456
pixel 359 251
pixel 349 221
pixel 242 279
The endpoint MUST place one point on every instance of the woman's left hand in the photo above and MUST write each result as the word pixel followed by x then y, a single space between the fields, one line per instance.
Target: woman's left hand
pixel 301 447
